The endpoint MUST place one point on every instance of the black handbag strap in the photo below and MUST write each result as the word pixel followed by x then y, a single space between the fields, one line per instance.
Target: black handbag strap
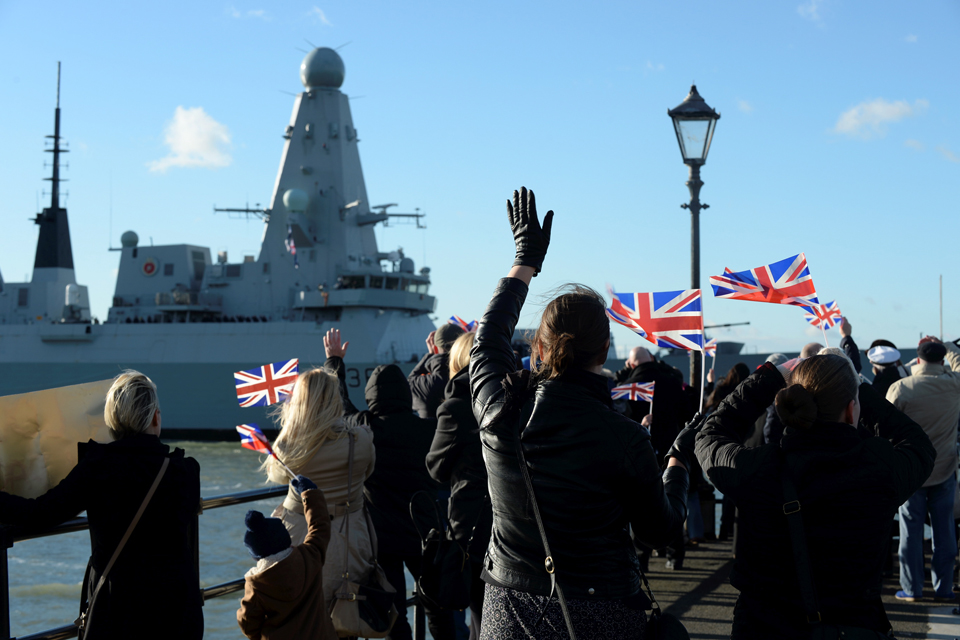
pixel 548 561
pixel 798 539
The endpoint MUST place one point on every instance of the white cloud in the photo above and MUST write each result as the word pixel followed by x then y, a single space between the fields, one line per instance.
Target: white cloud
pixel 318 14
pixel 810 10
pixel 259 14
pixel 914 144
pixel 869 119
pixel 744 106
pixel 910 38
pixel 195 140
pixel 656 68
pixel 948 154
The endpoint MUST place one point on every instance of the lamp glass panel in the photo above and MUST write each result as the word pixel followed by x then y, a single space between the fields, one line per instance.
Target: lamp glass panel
pixel 693 137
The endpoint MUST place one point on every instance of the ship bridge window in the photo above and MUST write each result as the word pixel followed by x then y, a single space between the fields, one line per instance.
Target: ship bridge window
pixel 418 287
pixel 168 269
pixel 233 270
pixel 351 282
pixel 376 282
pixel 393 283
pixel 23 297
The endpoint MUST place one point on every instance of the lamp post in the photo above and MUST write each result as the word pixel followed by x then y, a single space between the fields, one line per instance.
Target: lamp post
pixel 694 122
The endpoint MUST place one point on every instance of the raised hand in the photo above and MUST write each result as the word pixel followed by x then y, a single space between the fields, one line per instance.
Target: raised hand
pixel 531 238
pixel 846 329
pixel 332 346
pixel 301 484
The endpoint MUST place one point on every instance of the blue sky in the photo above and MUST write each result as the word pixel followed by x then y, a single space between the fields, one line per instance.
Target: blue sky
pixel 839 137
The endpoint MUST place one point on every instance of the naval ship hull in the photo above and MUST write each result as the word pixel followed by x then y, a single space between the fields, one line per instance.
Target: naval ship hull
pixel 193 364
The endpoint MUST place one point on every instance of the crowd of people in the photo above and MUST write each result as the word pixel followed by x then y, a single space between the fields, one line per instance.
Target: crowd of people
pixel 556 494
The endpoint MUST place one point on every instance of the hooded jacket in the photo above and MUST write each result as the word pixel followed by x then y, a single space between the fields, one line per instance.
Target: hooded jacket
pixel 931 396
pixel 402 441
pixel 285 600
pixel 850 482
pixel 593 471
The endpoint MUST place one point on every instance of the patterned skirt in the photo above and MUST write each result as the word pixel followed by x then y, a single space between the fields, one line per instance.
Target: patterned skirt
pixel 510 615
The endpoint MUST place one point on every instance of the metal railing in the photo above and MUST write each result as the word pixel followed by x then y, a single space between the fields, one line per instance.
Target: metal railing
pixel 9 535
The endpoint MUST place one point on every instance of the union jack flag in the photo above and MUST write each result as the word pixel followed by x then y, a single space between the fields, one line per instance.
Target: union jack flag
pixel 291 246
pixel 710 349
pixel 784 282
pixel 636 391
pixel 252 438
pixel 266 385
pixel 672 319
pixel 463 324
pixel 827 314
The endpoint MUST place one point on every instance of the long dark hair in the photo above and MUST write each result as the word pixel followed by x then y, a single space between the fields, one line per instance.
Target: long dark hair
pixel 727 384
pixel 574 332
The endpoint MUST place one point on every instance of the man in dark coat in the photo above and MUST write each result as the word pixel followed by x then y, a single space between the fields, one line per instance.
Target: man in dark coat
pixel 430 376
pixel 402 442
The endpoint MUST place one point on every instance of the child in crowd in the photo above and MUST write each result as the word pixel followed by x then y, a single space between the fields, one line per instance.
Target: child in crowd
pixel 283 597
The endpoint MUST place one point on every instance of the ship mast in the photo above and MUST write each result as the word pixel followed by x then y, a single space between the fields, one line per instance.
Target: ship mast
pixel 53 244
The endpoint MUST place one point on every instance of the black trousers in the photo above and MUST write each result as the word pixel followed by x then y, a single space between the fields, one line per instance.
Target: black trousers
pixel 440 622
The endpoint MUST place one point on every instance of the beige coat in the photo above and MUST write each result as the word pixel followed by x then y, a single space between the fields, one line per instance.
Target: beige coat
pixel 931 397
pixel 328 469
pixel 285 600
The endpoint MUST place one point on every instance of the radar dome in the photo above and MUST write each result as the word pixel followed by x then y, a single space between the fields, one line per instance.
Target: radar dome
pixel 296 200
pixel 322 68
pixel 129 239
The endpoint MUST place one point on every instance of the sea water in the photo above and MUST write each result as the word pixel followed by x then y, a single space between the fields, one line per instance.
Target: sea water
pixel 45 574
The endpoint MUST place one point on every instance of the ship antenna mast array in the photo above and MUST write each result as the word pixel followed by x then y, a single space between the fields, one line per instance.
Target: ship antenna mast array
pixel 55 179
pixel 245 212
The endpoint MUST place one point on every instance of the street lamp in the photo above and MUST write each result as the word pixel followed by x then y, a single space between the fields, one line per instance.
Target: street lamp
pixel 694 122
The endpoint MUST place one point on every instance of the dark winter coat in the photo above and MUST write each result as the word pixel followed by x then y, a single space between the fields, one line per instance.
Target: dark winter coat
pixel 593 470
pixel 427 382
pixel 285 600
pixel 402 441
pixel 850 483
pixel 153 589
pixel 456 459
pixel 671 408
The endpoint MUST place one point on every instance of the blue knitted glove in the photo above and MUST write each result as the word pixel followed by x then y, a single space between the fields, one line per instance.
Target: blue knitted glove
pixel 301 484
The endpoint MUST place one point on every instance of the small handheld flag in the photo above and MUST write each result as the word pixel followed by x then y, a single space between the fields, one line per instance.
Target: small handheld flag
pixel 266 385
pixel 823 315
pixel 636 391
pixel 252 438
pixel 671 319
pixel 710 349
pixel 463 324
pixel 291 246
pixel 785 282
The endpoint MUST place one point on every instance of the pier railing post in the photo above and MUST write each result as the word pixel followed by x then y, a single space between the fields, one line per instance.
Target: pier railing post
pixel 6 542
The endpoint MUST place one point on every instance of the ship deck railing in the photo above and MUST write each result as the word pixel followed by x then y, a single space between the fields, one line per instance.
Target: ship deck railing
pixel 9 535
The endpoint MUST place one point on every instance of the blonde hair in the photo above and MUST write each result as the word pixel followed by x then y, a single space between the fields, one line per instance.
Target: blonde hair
pixel 131 404
pixel 460 352
pixel 310 416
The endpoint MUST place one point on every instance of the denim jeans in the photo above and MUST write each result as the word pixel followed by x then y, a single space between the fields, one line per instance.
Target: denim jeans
pixel 938 501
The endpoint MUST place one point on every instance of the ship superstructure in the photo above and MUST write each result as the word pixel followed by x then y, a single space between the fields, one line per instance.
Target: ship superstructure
pixel 189 320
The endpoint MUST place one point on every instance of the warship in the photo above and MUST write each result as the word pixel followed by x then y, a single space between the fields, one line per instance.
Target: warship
pixel 189 321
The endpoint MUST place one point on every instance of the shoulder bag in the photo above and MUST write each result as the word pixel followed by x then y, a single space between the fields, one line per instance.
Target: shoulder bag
pixel 362 609
pixel 445 571
pixel 819 630
pixel 86 606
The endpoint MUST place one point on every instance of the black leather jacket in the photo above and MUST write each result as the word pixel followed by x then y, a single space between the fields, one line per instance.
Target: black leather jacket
pixel 594 472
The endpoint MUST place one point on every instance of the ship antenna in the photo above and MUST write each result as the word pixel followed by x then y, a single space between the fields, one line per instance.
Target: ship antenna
pixel 343 45
pixel 55 179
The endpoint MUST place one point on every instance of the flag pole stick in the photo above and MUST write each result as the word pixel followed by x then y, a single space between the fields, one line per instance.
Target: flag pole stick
pixel 703 378
pixel 824 331
pixel 651 408
pixel 275 457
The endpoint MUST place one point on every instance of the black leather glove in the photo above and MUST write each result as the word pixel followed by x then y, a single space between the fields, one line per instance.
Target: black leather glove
pixel 301 484
pixel 531 239
pixel 683 446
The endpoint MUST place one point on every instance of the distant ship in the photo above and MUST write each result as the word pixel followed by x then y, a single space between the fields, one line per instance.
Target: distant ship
pixel 189 322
